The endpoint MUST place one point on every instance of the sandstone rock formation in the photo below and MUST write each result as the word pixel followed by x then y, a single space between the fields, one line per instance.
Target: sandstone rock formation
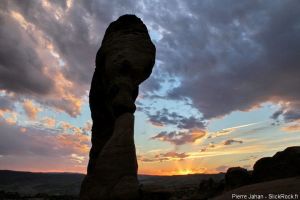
pixel 288 186
pixel 124 60
pixel 236 177
pixel 279 174
pixel 283 164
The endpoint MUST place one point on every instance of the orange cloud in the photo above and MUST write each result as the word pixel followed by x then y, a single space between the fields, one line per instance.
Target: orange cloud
pixel 80 143
pixel 9 116
pixel 49 122
pixel 292 127
pixel 68 128
pixel 21 20
pixel 68 101
pixel 65 95
pixel 30 109
pixel 23 130
pixel 51 151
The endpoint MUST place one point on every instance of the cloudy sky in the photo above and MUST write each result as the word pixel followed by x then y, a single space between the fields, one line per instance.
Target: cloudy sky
pixel 224 90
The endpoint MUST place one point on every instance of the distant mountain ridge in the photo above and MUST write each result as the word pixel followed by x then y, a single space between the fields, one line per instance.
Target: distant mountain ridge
pixel 61 183
pixel 33 182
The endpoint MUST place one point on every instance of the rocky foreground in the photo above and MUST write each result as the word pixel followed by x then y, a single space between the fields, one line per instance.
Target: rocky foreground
pixel 271 176
pixel 288 188
pixel 27 185
pixel 276 177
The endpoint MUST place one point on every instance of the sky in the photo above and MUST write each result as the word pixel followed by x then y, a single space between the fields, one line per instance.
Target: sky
pixel 224 90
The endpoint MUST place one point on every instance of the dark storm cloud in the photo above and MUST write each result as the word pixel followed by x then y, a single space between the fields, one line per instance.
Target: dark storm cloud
pixel 72 29
pixel 230 55
pixel 276 114
pixel 191 123
pixel 164 117
pixel 152 84
pixel 20 66
pixel 6 103
pixel 69 34
pixel 292 115
pixel 289 113
pixel 31 33
pixel 179 138
pixel 78 33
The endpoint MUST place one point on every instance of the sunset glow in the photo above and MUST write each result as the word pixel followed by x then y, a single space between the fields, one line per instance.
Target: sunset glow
pixel 185 172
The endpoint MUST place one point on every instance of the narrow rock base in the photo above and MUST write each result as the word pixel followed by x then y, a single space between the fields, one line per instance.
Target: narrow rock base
pixel 118 160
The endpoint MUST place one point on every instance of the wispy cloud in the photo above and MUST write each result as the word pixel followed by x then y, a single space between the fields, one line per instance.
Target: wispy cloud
pixel 168 156
pixel 231 141
pixel 227 131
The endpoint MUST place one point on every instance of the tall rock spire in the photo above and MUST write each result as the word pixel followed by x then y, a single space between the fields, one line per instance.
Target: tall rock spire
pixel 125 59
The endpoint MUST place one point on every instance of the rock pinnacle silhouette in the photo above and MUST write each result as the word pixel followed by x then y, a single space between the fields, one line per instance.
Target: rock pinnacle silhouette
pixel 125 59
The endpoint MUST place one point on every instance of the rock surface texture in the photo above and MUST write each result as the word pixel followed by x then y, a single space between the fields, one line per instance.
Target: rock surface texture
pixel 124 60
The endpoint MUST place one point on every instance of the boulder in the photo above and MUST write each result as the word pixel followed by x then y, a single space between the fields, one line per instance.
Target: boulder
pixel 283 164
pixel 236 177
